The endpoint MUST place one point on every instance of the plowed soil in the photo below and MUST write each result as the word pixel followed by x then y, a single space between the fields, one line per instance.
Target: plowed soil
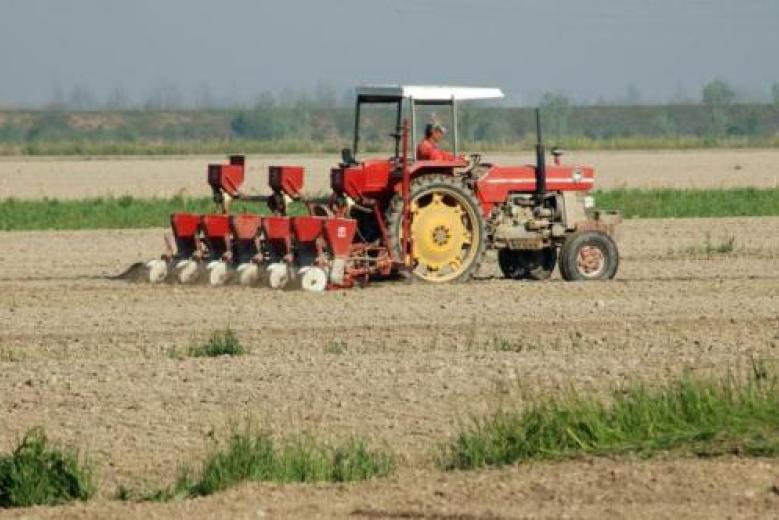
pixel 68 178
pixel 90 359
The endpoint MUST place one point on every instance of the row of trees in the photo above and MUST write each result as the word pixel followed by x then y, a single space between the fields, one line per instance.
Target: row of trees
pixel 333 127
pixel 307 122
pixel 169 96
pixel 717 116
pixel 718 99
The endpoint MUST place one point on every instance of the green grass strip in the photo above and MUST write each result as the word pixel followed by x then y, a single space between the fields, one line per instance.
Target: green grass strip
pixel 108 213
pixel 691 203
pixel 255 456
pixel 699 416
pixel 38 473
pixel 130 212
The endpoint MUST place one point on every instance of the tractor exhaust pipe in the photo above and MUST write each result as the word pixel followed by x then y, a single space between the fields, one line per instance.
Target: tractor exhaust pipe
pixel 540 159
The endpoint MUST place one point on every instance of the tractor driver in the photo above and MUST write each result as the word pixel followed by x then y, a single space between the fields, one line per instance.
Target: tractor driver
pixel 427 149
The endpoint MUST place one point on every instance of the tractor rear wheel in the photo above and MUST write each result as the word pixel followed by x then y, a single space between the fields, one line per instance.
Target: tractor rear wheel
pixel 527 265
pixel 447 229
pixel 588 255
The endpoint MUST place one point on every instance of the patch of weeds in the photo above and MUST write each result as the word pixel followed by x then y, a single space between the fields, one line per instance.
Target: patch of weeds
pixel 37 473
pixel 174 353
pixel 505 345
pixel 256 456
pixel 699 416
pixel 711 247
pixel 760 370
pixel 128 494
pixel 220 343
pixel 124 494
pixel 336 347
pixel 723 246
pixel 9 356
pixel 577 340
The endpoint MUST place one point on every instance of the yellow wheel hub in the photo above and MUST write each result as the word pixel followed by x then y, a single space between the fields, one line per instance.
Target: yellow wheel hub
pixel 439 235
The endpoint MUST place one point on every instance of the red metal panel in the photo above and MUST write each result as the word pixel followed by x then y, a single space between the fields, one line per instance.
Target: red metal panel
pixel 232 178
pixel 339 233
pixel 373 178
pixel 228 177
pixel 308 228
pixel 495 185
pixel 286 179
pixel 184 224
pixel 246 227
pixel 438 165
pixel 369 179
pixel 376 176
pixel 276 228
pixel 217 226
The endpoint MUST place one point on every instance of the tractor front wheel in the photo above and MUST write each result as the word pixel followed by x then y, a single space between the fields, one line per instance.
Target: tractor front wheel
pixel 527 265
pixel 588 255
pixel 447 229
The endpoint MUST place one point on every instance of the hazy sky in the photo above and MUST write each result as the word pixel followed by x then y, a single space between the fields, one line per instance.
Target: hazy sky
pixel 238 48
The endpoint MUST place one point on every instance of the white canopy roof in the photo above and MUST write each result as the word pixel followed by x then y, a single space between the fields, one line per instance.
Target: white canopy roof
pixel 430 92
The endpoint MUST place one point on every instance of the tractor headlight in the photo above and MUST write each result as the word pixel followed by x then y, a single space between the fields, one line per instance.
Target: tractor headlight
pixel 589 202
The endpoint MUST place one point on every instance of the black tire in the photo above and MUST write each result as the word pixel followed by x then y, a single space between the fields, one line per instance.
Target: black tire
pixel 603 267
pixel 456 189
pixel 527 265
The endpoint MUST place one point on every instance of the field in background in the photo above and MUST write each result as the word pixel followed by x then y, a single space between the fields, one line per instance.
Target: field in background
pixel 165 177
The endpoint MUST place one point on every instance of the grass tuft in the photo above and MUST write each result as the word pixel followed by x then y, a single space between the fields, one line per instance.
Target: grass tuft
pixel 336 347
pixel 37 473
pixel 220 343
pixel 8 355
pixel 252 456
pixel 506 345
pixel 710 247
pixel 722 247
pixel 698 416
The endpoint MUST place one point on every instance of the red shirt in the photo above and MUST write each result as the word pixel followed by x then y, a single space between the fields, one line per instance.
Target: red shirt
pixel 427 150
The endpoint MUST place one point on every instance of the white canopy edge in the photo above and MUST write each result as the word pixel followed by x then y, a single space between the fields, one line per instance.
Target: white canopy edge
pixel 430 92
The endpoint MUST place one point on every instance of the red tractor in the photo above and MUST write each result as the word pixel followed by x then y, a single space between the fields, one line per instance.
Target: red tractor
pixel 431 220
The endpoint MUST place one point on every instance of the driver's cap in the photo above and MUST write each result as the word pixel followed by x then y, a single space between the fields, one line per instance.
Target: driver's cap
pixel 438 127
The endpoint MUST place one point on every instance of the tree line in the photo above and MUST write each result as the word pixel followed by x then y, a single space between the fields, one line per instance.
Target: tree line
pixel 170 96
pixel 328 124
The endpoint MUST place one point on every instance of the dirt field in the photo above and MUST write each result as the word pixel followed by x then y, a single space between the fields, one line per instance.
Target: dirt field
pixel 88 358
pixel 164 177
